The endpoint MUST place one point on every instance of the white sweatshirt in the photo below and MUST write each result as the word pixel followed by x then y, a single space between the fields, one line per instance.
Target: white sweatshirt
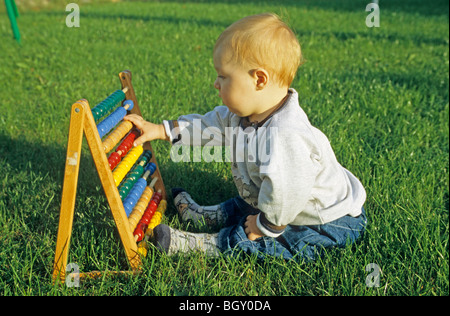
pixel 285 167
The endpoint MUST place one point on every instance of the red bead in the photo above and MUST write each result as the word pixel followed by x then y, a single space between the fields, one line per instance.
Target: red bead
pixel 152 206
pixel 127 143
pixel 145 220
pixel 139 233
pixel 113 160
pixel 157 196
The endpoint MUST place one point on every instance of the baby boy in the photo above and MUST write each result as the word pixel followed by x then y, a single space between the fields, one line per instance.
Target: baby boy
pixel 295 199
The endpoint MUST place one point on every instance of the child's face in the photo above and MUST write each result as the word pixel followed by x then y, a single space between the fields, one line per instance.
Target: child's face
pixel 235 83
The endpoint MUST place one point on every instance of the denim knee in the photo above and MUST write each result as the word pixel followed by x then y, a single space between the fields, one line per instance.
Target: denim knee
pixel 233 241
pixel 308 242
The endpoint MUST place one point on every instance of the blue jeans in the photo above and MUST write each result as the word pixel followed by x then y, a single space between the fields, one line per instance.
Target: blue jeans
pixel 301 243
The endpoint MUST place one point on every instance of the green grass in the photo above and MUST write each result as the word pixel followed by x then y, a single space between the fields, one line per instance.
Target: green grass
pixel 380 94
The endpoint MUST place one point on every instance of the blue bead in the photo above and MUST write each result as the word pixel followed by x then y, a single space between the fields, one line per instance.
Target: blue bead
pixel 130 103
pixel 134 195
pixel 151 166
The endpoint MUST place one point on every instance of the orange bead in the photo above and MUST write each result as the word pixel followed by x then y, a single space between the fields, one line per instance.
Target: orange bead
pixel 113 138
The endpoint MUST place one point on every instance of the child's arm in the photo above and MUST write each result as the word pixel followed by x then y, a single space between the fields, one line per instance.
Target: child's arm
pixel 149 131
pixel 198 129
pixel 287 180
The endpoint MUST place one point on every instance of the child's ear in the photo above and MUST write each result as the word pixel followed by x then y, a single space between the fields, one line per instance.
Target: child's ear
pixel 261 77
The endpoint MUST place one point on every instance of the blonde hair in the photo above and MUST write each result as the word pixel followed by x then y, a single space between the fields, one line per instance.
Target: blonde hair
pixel 264 41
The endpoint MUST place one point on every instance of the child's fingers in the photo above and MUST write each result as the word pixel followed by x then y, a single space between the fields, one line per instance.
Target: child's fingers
pixel 247 225
pixel 137 120
pixel 139 141
pixel 131 117
pixel 249 219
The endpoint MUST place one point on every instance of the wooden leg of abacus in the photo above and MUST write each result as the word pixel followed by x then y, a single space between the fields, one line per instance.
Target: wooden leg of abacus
pixel 72 168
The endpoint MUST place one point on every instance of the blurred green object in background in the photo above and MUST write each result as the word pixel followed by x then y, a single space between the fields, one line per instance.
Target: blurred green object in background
pixel 13 14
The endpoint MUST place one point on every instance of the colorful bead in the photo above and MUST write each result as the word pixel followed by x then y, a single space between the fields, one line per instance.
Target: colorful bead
pixel 128 105
pixel 105 126
pixel 113 160
pixel 140 207
pixel 146 156
pixel 127 143
pixel 126 164
pixel 132 177
pixel 138 233
pixel 162 207
pixel 122 150
pixel 156 218
pixel 134 195
pixel 119 132
pixel 146 218
pixel 106 105
pixel 142 249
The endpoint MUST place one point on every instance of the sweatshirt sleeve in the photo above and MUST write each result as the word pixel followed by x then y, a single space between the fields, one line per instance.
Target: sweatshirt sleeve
pixel 199 130
pixel 287 181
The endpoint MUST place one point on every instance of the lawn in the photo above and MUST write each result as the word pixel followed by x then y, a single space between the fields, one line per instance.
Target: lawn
pixel 379 94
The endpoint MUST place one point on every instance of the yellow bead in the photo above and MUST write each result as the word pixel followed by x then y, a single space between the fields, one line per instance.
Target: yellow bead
pixel 113 139
pixel 126 164
pixel 162 206
pixel 142 251
pixel 154 223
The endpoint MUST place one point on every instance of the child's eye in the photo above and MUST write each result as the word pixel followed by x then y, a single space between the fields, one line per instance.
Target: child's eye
pixel 221 77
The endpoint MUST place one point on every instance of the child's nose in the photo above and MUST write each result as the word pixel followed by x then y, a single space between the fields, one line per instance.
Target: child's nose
pixel 216 84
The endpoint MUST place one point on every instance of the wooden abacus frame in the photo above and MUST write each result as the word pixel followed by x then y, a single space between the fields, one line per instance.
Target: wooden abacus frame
pixel 82 122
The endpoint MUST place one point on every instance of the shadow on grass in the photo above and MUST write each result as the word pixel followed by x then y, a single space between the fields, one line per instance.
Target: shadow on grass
pixel 31 189
pixel 35 162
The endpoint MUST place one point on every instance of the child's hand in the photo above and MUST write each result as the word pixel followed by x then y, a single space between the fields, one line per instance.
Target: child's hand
pixel 251 229
pixel 149 131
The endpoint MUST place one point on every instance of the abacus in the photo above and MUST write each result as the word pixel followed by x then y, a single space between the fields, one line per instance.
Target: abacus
pixel 136 207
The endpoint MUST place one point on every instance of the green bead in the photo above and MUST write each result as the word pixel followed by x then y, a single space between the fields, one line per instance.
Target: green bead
pixel 131 178
pixel 107 104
